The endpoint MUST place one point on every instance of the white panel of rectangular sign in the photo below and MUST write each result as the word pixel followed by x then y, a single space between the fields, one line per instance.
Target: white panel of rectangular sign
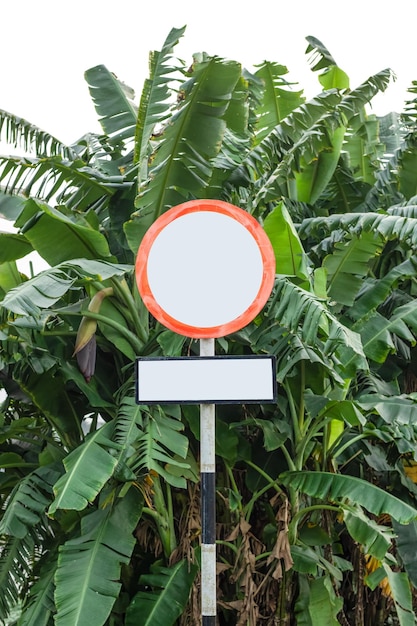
pixel 200 380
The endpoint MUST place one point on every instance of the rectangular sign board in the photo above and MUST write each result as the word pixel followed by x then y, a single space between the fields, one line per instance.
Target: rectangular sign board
pixel 206 380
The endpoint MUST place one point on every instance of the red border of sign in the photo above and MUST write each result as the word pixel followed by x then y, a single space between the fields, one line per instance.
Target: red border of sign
pixel 265 248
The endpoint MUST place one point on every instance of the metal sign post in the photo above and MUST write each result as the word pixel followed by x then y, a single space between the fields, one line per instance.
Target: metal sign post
pixel 205 269
pixel 208 501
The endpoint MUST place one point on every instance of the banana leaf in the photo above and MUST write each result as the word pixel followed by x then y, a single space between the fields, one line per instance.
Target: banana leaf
pixel 17 131
pixel 89 565
pixel 155 102
pixel 13 246
pixel 156 440
pixel 88 468
pixel 53 179
pixel 15 556
pixel 39 606
pixel 48 287
pixel 76 240
pixel 347 266
pixel 325 485
pixel 278 100
pixel 114 103
pixel 313 176
pixel 375 292
pixel 375 538
pixel 306 315
pixel 401 593
pixel 363 147
pixel 182 164
pixel 389 225
pixel 157 445
pixel 48 392
pixel 324 606
pixel 303 135
pixel 290 257
pixel 9 277
pixel 406 543
pixel 28 502
pixel 401 409
pixel 166 596
pixel 406 172
pixel 377 331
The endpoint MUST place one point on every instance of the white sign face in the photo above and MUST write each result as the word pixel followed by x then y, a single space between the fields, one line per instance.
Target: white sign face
pixel 205 268
pixel 211 271
pixel 200 380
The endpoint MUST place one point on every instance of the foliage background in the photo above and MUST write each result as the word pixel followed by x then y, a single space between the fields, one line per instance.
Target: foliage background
pixel 316 497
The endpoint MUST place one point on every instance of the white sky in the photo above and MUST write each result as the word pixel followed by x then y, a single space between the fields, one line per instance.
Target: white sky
pixel 46 45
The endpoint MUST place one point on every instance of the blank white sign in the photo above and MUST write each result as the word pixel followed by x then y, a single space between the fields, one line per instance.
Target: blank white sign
pixel 205 280
pixel 202 380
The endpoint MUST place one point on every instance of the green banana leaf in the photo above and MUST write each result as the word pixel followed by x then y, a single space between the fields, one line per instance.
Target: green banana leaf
pixel 299 137
pixel 377 331
pixel 182 163
pixel 325 485
pixel 73 183
pixel 165 603
pixel 401 593
pixel 39 606
pixel 290 349
pixel 88 468
pixel 48 392
pixel 290 257
pixel 9 277
pixel 302 602
pixel 237 138
pixel 324 605
pixel 406 172
pixel 363 147
pixel 400 409
pixel 313 176
pixel 111 312
pixel 281 141
pixel 305 314
pixel 278 100
pixel 160 439
pixel 155 102
pixel 388 224
pixel 13 246
pixel 49 226
pixel 303 135
pixel 333 77
pixel 347 266
pixel 375 292
pixel 89 565
pixel 406 543
pixel 320 57
pixel 17 131
pixel 152 441
pixel 114 103
pixel 15 556
pixel 11 206
pixel 28 502
pixel 47 288
pixel 374 538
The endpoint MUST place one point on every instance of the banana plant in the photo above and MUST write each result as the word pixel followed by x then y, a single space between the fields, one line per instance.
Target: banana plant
pixel 316 504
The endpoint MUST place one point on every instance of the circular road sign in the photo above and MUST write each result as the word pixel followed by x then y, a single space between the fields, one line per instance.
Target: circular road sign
pixel 205 268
